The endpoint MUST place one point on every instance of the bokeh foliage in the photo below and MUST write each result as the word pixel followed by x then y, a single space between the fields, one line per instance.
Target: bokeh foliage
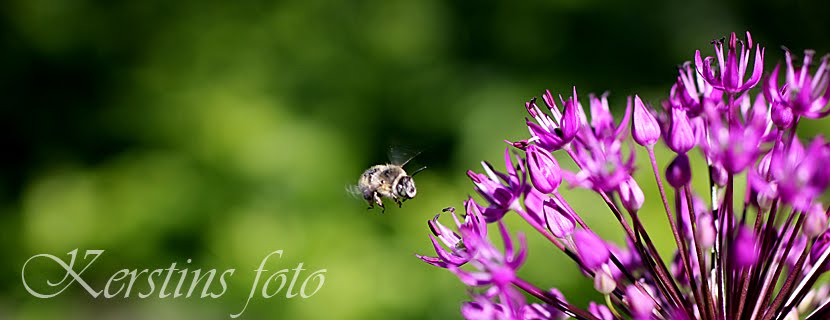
pixel 221 131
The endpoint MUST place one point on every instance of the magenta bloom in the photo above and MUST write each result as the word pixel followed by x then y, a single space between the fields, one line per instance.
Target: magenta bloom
pixel 803 94
pixel 592 250
pixel 501 190
pixel 733 66
pixel 494 269
pixel 458 253
pixel 752 245
pixel 553 133
pixel 639 302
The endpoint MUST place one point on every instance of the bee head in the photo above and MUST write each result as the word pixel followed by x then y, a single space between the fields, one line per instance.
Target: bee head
pixel 405 188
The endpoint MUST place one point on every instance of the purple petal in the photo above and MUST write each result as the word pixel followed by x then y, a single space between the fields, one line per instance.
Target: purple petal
pixel 644 129
pixel 631 195
pixel 640 303
pixel 570 122
pixel 592 250
pixel 560 223
pixel 600 311
pixel 816 221
pixel 681 137
pixel 757 71
pixel 745 248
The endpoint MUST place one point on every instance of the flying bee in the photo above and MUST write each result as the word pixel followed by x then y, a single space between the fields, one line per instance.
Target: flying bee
pixel 387 180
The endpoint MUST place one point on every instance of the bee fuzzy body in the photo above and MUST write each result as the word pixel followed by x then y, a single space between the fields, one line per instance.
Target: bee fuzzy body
pixel 386 180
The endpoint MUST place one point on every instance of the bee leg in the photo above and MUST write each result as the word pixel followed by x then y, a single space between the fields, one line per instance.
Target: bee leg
pixel 378 201
pixel 399 202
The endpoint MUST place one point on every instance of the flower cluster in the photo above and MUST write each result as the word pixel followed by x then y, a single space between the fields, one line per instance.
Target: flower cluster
pixel 752 250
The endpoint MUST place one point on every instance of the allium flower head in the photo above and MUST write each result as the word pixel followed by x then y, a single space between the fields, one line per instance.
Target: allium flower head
pixel 751 246
pixel 803 94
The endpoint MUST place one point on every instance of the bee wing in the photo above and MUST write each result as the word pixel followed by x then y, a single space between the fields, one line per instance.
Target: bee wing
pixel 400 156
pixel 354 191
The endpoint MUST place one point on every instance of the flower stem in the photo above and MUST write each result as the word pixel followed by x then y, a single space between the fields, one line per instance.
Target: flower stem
pixel 670 216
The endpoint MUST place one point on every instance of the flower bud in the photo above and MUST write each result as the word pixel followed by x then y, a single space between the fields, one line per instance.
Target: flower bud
pixel 571 120
pixel 681 137
pixel 782 116
pixel 815 223
pixel 745 248
pixel 639 302
pixel 719 176
pixel 679 172
pixel 521 144
pixel 631 195
pixel 592 250
pixel 766 196
pixel 560 223
pixel 644 128
pixel 603 282
pixel 543 169
pixel 705 234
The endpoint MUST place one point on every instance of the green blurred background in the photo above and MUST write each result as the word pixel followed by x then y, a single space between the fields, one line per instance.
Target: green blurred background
pixel 222 131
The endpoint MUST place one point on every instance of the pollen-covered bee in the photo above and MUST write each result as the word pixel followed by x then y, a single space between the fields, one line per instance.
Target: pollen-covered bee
pixel 387 180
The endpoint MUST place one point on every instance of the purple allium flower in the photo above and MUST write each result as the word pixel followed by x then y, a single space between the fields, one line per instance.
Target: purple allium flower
pixel 693 94
pixel 484 309
pixel 493 268
pixel 501 190
pixel 733 66
pixel 553 134
pixel 803 94
pixel 640 303
pixel 538 311
pixel 592 250
pixel 746 248
pixel 816 221
pixel 735 145
pixel 751 247
pixel 796 175
pixel 598 150
pixel 458 253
